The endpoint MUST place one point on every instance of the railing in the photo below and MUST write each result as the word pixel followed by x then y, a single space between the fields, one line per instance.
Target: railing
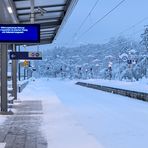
pixel 129 93
pixel 22 86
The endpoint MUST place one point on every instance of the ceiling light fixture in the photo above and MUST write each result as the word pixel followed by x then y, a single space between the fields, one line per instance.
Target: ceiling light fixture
pixel 10 10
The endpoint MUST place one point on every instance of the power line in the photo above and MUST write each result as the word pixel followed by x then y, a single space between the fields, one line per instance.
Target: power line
pixel 134 25
pixel 122 42
pixel 85 19
pixel 129 34
pixel 88 15
pixel 130 27
pixel 102 17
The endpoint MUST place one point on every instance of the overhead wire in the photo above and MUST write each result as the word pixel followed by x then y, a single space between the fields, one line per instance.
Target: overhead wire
pixel 94 6
pixel 121 43
pixel 98 21
pixel 137 32
pixel 85 19
pixel 125 30
pixel 130 27
pixel 134 25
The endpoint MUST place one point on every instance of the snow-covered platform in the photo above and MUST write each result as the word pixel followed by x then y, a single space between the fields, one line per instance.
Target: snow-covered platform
pixel 43 122
pixel 59 114
pixel 21 130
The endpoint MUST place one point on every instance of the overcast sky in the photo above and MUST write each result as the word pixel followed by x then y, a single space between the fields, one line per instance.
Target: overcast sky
pixel 126 15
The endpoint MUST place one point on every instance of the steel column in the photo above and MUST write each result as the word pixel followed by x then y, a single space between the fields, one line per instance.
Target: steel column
pixel 4 101
pixel 14 75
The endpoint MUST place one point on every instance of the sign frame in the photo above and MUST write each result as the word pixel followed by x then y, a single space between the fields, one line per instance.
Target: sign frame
pixel 21 40
pixel 24 55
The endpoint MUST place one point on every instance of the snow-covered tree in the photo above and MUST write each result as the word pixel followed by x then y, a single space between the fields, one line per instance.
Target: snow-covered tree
pixel 144 37
pixel 94 61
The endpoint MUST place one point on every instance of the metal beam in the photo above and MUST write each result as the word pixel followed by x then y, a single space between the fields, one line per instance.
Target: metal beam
pixel 47 36
pixel 4 105
pixel 46 33
pixel 53 27
pixel 32 16
pixel 42 20
pixel 46 6
pixel 49 19
pixel 52 11
pixel 19 0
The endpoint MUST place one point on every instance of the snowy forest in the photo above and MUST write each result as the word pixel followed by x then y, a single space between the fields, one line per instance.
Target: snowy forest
pixel 119 59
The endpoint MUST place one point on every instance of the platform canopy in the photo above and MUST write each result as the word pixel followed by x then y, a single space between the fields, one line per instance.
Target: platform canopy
pixel 50 14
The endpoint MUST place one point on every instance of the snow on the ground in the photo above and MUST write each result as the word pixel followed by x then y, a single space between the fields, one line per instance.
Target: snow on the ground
pixel 2 119
pixel 2 145
pixel 22 82
pixel 59 125
pixel 141 86
pixel 79 117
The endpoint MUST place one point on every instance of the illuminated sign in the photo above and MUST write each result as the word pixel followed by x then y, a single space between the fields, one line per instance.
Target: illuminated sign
pixel 20 33
pixel 26 63
pixel 35 55
pixel 25 55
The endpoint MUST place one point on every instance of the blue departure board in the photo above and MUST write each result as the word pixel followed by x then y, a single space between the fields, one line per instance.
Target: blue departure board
pixel 20 33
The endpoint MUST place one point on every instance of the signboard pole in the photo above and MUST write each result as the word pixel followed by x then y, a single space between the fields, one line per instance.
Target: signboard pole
pixel 4 50
pixel 24 73
pixel 14 75
pixel 19 68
